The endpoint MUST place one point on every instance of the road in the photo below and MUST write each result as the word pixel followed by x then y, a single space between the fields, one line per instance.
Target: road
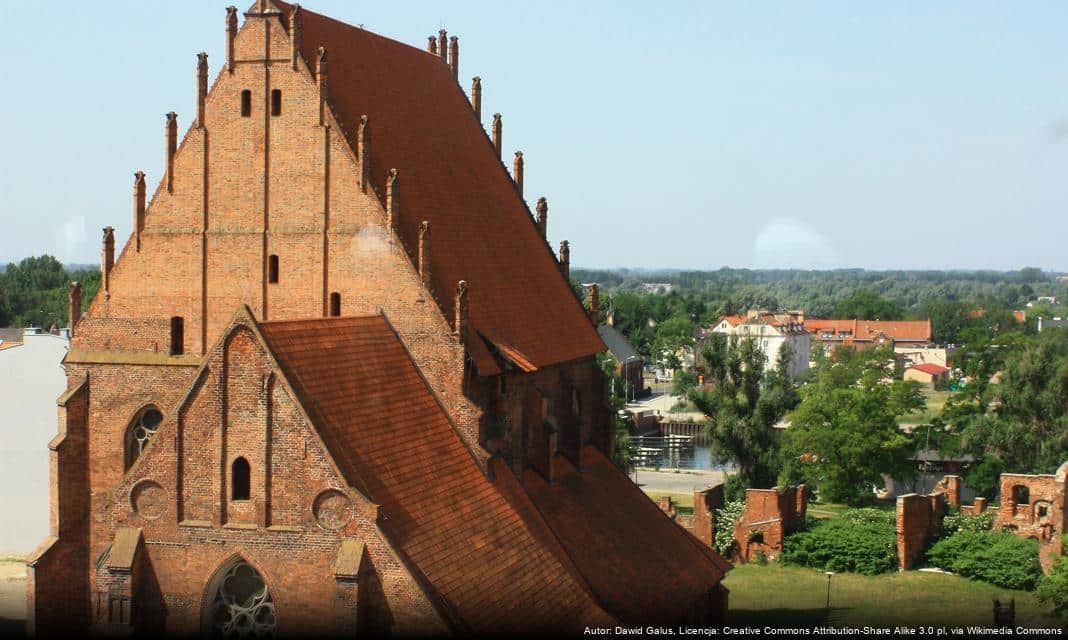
pixel 683 482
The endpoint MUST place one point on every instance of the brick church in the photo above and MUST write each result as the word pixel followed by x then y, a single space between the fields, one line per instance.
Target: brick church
pixel 337 381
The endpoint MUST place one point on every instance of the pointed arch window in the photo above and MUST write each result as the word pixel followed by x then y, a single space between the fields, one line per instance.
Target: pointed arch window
pixel 241 604
pixel 240 480
pixel 140 433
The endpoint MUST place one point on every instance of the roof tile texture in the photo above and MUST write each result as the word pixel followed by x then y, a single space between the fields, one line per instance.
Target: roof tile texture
pixel 393 441
pixel 423 125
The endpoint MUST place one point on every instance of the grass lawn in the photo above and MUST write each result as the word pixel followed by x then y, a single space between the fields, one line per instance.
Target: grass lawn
pixel 683 501
pixel 936 400
pixel 797 596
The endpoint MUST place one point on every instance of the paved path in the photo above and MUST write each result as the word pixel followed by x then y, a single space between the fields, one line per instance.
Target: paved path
pixel 684 482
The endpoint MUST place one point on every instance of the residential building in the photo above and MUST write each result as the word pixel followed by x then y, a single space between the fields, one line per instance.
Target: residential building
pixel 31 378
pixel 774 333
pixel 857 334
pixel 927 374
pixel 290 411
pixel 629 364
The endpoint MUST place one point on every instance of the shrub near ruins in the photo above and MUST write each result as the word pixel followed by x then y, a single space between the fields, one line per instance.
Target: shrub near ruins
pixel 860 541
pixel 997 557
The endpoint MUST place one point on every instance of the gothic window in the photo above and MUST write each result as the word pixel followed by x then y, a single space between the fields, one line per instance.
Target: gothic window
pixel 177 336
pixel 276 102
pixel 140 432
pixel 241 605
pixel 335 304
pixel 240 481
pixel 246 103
pixel 272 269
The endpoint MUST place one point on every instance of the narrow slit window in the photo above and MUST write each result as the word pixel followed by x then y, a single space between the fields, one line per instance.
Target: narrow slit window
pixel 276 102
pixel 240 480
pixel 246 103
pixel 272 269
pixel 335 304
pixel 177 336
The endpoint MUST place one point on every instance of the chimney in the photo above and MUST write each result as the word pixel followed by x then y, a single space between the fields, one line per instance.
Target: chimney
pixel 454 57
pixel 542 209
pixel 231 36
pixel 392 201
pixel 172 148
pixel 138 207
pixel 565 259
pixel 320 81
pixel 294 34
pixel 517 172
pixel 363 141
pixel 460 323
pixel 593 304
pixel 432 45
pixel 497 133
pixel 202 87
pixel 424 253
pixel 476 96
pixel 107 258
pixel 442 41
pixel 74 306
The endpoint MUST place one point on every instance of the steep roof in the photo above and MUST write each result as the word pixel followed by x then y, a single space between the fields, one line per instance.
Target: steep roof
pixel 450 175
pixel 643 567
pixel 393 441
pixel 621 348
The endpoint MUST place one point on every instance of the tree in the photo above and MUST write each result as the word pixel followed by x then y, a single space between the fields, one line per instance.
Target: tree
pixel 867 305
pixel 844 435
pixel 1022 418
pixel 34 292
pixel 744 404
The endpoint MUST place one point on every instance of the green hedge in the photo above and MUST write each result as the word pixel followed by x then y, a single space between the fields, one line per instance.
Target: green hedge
pixel 956 522
pixel 1053 589
pixel 997 557
pixel 860 541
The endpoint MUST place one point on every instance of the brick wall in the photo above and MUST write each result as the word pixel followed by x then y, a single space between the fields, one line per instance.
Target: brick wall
pixel 1035 506
pixel 770 514
pixel 705 504
pixel 918 519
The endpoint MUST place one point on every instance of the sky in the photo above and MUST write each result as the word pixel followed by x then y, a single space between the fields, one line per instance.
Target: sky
pixel 696 135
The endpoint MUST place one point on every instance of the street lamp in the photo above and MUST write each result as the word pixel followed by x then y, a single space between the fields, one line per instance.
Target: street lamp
pixel 828 617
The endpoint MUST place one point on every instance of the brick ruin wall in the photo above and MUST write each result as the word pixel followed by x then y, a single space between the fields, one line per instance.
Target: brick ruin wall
pixel 770 515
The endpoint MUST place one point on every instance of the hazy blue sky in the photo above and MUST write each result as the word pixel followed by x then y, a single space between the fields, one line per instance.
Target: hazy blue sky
pixel 686 134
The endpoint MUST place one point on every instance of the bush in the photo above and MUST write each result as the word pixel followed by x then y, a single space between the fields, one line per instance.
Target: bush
pixel 1053 589
pixel 957 522
pixel 724 533
pixel 997 557
pixel 860 541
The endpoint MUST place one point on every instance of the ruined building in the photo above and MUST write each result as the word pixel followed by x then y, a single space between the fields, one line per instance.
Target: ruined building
pixel 337 381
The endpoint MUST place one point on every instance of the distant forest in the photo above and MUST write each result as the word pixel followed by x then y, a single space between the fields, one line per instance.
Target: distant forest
pixel 33 293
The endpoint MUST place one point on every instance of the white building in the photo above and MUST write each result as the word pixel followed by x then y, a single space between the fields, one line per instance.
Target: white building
pixel 772 333
pixel 31 379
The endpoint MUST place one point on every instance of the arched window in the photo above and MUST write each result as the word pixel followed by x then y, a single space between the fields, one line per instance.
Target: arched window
pixel 246 103
pixel 240 483
pixel 241 604
pixel 1021 494
pixel 272 269
pixel 335 304
pixel 276 102
pixel 177 336
pixel 140 432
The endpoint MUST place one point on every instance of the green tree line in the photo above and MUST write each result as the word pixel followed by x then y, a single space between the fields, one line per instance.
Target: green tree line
pixel 33 292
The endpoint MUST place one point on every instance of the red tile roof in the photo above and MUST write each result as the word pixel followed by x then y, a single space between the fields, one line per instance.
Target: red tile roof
pixel 644 568
pixel 931 368
pixel 394 442
pixel 423 125
pixel 867 330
